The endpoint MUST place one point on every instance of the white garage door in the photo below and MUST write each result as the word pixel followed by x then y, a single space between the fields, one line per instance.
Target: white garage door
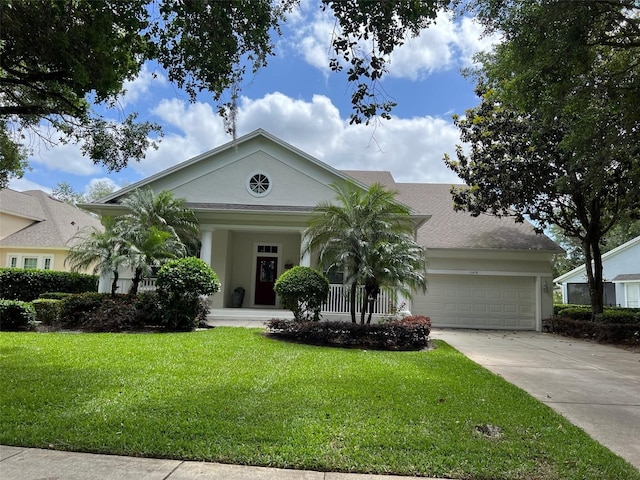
pixel 469 301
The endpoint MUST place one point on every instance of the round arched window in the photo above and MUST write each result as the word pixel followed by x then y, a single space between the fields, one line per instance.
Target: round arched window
pixel 259 184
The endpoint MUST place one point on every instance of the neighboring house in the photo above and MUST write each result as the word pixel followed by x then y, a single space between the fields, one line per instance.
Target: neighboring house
pixel 620 272
pixel 36 230
pixel 253 198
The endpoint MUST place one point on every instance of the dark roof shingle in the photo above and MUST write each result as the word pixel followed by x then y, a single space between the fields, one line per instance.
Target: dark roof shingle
pixel 450 229
pixel 57 226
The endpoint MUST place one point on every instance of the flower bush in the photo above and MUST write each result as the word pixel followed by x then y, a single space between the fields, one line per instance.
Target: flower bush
pixel 410 333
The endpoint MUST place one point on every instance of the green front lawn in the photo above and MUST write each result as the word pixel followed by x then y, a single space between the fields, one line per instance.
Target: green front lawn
pixel 231 395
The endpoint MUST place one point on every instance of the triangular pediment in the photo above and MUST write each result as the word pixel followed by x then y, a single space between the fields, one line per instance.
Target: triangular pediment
pixel 224 175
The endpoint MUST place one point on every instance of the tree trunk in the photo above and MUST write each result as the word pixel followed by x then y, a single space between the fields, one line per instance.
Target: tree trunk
pixel 363 310
pixel 136 281
pixel 372 296
pixel 593 265
pixel 114 283
pixel 352 301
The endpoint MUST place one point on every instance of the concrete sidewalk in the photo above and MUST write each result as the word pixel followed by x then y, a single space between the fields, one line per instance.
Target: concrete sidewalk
pixel 596 387
pixel 18 463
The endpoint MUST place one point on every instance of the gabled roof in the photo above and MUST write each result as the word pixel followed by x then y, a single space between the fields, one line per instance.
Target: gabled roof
pixel 20 204
pixel 259 133
pixel 450 229
pixel 55 222
pixel 611 253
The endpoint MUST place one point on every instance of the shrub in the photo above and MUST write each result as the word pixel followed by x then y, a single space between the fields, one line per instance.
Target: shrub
pixel 180 285
pixel 55 295
pixel 100 312
pixel 47 310
pixel 148 309
pixel 303 290
pixel 27 285
pixel 76 310
pixel 410 333
pixel 609 315
pixel 628 333
pixel 16 315
pixel 113 314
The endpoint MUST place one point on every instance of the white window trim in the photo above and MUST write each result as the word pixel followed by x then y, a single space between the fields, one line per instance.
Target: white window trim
pixel 259 194
pixel 40 260
pixel 627 286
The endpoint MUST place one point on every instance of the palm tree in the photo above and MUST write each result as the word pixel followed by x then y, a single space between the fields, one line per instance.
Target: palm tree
pixel 366 232
pixel 159 227
pixel 148 248
pixel 104 251
pixel 154 230
pixel 397 263
pixel 163 211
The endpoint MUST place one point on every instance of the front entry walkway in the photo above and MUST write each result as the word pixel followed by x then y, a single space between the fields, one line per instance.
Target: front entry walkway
pixel 596 387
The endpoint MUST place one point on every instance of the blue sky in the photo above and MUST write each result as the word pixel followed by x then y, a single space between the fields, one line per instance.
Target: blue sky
pixel 299 100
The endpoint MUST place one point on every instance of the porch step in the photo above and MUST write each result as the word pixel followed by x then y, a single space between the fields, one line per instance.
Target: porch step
pixel 257 317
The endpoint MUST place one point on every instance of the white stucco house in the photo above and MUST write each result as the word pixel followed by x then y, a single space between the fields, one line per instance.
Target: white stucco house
pixel 253 198
pixel 620 272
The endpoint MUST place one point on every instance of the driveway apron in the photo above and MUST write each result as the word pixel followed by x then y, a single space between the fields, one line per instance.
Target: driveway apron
pixel 596 387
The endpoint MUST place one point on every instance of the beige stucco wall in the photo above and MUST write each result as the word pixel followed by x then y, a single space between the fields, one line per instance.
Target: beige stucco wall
pixel 59 256
pixel 10 224
pixel 478 261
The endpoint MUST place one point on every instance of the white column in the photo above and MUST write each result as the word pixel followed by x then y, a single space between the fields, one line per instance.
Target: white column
pixel 305 257
pixel 206 246
pixel 538 303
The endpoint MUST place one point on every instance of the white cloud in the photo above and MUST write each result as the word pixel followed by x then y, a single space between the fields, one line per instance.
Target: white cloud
pixel 22 184
pixel 412 149
pixel 470 40
pixel 140 86
pixel 190 129
pixel 62 157
pixel 446 44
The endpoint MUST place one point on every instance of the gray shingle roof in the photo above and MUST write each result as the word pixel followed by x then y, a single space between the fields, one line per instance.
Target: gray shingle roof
pixel 55 223
pixel 625 277
pixel 450 229
pixel 20 204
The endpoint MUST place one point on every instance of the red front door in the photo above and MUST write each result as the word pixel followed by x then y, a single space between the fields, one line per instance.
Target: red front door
pixel 266 271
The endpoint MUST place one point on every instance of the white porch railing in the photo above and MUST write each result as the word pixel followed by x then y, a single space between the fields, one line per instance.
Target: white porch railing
pixel 338 301
pixel 145 285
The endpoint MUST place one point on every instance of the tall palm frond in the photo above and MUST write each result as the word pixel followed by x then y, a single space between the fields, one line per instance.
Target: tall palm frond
pixel 369 234
pixel 162 211
pixel 104 251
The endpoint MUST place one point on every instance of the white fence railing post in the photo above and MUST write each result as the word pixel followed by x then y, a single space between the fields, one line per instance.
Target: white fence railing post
pixel 338 300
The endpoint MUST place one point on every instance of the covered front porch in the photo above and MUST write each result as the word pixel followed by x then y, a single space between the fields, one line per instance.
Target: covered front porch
pixel 335 308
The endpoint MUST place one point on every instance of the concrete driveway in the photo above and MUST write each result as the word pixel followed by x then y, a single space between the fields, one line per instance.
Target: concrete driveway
pixel 596 387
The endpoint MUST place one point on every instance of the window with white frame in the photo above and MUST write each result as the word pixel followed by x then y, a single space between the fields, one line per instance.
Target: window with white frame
pixel 31 262
pixel 633 295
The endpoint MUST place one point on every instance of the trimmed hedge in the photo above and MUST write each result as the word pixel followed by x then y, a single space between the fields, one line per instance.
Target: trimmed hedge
pixel 614 325
pixel 627 333
pixel 100 312
pixel 16 315
pixel 181 285
pixel 47 310
pixel 27 285
pixel 302 290
pixel 409 333
pixel 609 315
